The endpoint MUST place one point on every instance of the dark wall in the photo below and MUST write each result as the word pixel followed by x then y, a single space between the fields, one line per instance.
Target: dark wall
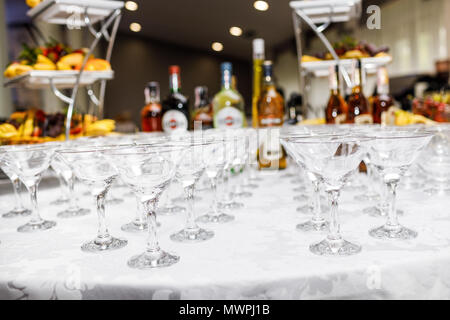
pixel 137 60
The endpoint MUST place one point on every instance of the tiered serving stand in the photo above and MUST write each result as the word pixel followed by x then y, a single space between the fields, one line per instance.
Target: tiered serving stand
pixel 102 18
pixel 319 15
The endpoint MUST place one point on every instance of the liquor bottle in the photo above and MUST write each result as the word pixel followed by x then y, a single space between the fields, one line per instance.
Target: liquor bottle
pixel 258 59
pixel 271 154
pixel 175 116
pixel 382 100
pixel 336 111
pixel 358 108
pixel 294 105
pixel 228 104
pixel 151 112
pixel 202 109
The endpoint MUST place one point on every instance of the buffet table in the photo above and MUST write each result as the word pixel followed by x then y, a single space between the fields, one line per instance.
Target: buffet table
pixel 260 255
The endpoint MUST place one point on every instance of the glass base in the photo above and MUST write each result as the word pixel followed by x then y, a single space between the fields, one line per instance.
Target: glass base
pixel 250 186
pixel 106 244
pixel 339 247
pixel 230 205
pixel 376 212
pixel 437 192
pixel 296 181
pixel 59 201
pixel 367 197
pixel 167 211
pixel 311 225
pixel 242 194
pixel 355 188
pixel 192 235
pixel 301 198
pixel 17 213
pixel 73 213
pixel 288 175
pixel 306 209
pixel 255 179
pixel 39 226
pixel 148 260
pixel 300 189
pixel 215 218
pixel 182 199
pixel 389 232
pixel 114 201
pixel 134 227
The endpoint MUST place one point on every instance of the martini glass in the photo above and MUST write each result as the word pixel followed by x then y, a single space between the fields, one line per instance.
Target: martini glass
pixel 317 222
pixel 218 158
pixel 190 168
pixel 91 167
pixel 435 161
pixel 239 167
pixel 148 170
pixel 251 166
pixel 393 152
pixel 66 174
pixel 19 210
pixel 332 159
pixel 28 163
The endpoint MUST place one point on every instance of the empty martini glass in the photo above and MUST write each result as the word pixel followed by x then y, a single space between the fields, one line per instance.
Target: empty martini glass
pixel 393 152
pixel 28 163
pixel 332 159
pixel 91 167
pixel 19 210
pixel 148 170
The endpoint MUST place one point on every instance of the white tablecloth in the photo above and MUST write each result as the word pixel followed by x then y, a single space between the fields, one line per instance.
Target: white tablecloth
pixel 258 256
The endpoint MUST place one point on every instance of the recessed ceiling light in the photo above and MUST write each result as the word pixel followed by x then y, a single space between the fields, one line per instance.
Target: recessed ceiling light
pixel 135 27
pixel 235 31
pixel 261 5
pixel 131 5
pixel 217 46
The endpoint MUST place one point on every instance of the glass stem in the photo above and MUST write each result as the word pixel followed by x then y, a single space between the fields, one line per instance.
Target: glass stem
pixel 64 191
pixel 370 188
pixel 139 220
pixel 152 236
pixel 213 182
pixel 102 233
pixel 392 219
pixel 18 199
pixel 335 232
pixel 35 217
pixel 225 181
pixel 316 201
pixel 71 193
pixel 189 195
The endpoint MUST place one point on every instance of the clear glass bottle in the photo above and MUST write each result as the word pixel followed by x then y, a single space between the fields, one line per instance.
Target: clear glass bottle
pixel 228 104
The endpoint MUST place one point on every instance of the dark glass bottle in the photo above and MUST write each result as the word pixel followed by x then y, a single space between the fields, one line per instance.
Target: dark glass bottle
pixel 336 111
pixel 382 100
pixel 151 112
pixel 358 107
pixel 175 116
pixel 202 113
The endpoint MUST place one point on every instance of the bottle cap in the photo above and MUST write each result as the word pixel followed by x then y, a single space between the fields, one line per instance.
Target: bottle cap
pixel 258 46
pixel 226 66
pixel 267 68
pixel 174 69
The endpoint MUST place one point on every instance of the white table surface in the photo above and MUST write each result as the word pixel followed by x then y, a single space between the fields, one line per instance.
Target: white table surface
pixel 258 256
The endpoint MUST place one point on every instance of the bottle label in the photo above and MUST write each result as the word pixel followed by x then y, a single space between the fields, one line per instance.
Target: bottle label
pixel 174 120
pixel 270 150
pixel 364 119
pixel 229 117
pixel 271 122
pixel 340 118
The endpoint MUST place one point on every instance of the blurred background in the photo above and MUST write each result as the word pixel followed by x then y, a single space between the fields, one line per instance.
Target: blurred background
pixel 154 34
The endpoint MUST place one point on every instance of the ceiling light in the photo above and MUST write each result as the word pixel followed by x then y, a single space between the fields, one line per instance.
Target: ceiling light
pixel 217 46
pixel 261 5
pixel 135 27
pixel 235 31
pixel 131 5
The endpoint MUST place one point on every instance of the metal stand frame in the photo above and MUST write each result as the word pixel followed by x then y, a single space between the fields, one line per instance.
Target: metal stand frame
pixel 112 20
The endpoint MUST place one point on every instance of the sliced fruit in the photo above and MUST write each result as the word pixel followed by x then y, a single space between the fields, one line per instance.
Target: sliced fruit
pixel 63 66
pixel 44 66
pixel 74 60
pixel 309 58
pixel 97 65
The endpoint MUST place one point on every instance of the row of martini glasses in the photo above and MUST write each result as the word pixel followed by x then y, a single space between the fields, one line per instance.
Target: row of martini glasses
pixel 147 165
pixel 328 157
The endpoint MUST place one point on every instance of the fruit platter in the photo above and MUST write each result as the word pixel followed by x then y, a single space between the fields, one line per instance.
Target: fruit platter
pixel 55 64
pixel 36 126
pixel 347 49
